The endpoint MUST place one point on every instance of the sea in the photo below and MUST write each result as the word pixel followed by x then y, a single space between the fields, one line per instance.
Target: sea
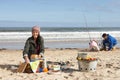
pixel 56 37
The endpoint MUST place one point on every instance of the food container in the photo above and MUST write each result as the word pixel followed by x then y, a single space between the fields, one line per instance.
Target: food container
pixel 82 55
pixel 86 62
pixel 85 65
pixel 56 67
pixel 34 57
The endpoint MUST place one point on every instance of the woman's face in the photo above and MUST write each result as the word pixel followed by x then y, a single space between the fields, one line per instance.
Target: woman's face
pixel 35 34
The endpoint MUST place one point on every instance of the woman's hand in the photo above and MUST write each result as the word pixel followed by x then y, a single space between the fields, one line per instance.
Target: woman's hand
pixel 27 59
pixel 39 56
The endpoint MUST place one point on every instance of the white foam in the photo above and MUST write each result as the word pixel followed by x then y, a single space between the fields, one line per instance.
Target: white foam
pixel 55 36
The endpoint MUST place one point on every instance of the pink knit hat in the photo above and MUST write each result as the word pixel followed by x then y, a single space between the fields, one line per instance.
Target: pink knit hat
pixel 36 28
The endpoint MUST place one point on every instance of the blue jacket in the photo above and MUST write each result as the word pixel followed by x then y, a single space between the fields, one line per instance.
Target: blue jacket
pixel 111 41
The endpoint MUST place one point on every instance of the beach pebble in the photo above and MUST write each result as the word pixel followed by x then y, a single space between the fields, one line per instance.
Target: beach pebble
pixel 116 68
pixel 71 75
pixel 109 65
pixel 66 77
pixel 99 65
pixel 11 74
pixel 110 72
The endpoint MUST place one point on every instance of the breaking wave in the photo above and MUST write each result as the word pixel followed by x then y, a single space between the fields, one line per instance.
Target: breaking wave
pixel 56 36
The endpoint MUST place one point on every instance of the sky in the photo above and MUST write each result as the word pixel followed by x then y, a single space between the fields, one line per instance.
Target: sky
pixel 70 13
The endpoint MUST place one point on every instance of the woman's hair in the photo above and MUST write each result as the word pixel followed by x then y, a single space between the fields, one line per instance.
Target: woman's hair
pixel 104 35
pixel 38 39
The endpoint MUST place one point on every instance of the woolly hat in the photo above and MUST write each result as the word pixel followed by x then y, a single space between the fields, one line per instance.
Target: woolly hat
pixel 36 28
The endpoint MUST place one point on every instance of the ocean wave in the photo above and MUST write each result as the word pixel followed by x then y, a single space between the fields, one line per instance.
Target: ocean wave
pixel 56 36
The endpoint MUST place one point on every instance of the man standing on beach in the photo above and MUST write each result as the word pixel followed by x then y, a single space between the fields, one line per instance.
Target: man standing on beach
pixel 109 42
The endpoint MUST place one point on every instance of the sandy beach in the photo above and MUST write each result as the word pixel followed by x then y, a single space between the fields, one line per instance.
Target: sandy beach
pixel 108 67
pixel 65 29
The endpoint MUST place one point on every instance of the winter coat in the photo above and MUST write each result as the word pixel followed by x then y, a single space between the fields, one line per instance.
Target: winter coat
pixel 30 47
pixel 111 41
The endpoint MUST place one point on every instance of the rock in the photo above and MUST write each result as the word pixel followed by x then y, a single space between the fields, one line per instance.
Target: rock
pixel 109 65
pixel 65 77
pixel 11 74
pixel 116 68
pixel 71 75
pixel 109 72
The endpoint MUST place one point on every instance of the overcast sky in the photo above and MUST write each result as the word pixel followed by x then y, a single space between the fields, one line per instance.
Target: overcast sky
pixel 59 12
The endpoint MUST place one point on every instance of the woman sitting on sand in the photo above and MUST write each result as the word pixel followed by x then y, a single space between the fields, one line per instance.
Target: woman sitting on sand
pixel 34 45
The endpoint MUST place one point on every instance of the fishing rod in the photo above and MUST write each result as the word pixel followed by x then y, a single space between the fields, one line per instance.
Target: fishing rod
pixel 101 41
pixel 100 26
pixel 86 25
